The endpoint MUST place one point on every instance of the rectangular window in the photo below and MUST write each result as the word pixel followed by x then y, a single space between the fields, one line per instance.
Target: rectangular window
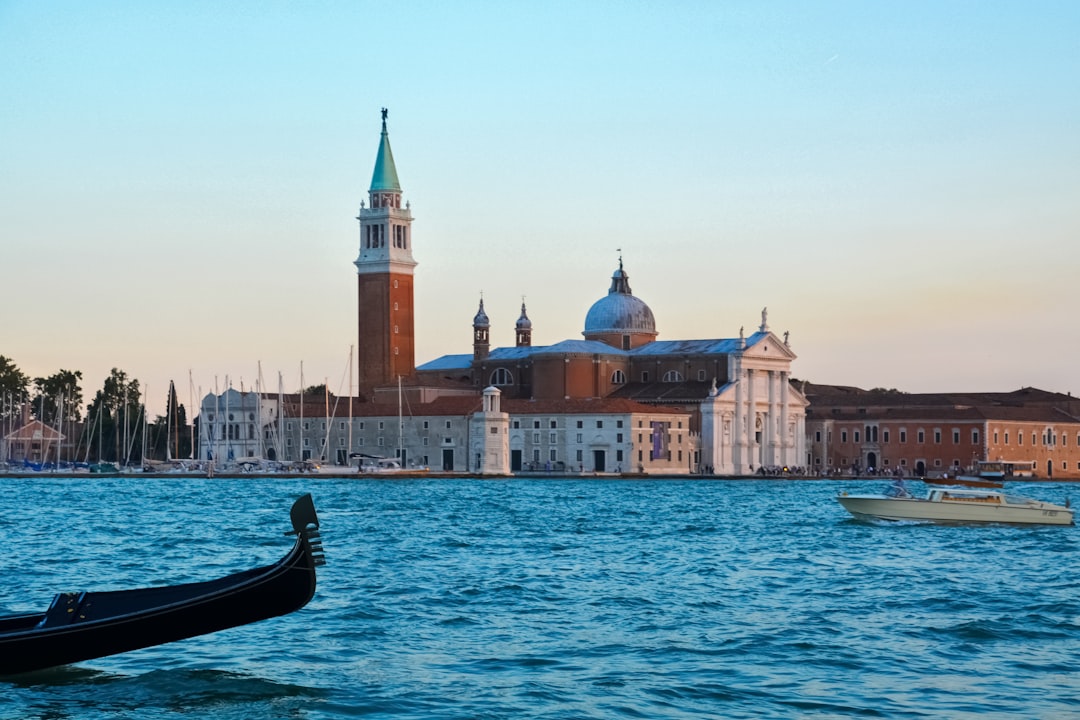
pixel 425 424
pixel 618 423
pixel 341 425
pixel 843 436
pixel 817 436
pixel 552 438
pixel 447 424
pixel 937 437
pixel 536 438
pixel 995 437
pixel 955 437
pixel 307 426
pixel 536 455
pixel 579 438
pixel 381 442
pixel 856 436
pixel 360 442
pixel 553 456
pixel 922 437
pixel 361 425
pixel 1019 438
pixel 644 376
pixel 618 455
pixel 517 424
pixel 974 437
pixel 381 424
pixel 580 423
pixel 618 437
pixel 885 436
pixel 903 436
pixel 552 425
pixel 579 455
pixel 1006 438
pixel 492 430
pixel 536 424
pixel 341 442
pixel 1032 438
pixel 425 441
pixel 599 424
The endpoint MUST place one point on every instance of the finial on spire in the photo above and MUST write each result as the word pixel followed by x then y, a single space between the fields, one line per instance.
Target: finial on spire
pixel 619 250
pixel 764 320
pixel 385 112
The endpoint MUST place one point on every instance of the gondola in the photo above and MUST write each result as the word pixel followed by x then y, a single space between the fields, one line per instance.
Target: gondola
pixel 86 625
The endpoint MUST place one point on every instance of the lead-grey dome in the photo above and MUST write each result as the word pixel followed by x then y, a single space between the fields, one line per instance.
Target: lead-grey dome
pixel 619 311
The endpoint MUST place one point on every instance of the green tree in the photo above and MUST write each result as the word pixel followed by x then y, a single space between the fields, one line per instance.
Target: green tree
pixel 13 387
pixel 49 392
pixel 115 414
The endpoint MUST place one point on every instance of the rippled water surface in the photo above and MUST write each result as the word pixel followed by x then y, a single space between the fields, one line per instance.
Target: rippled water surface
pixel 557 599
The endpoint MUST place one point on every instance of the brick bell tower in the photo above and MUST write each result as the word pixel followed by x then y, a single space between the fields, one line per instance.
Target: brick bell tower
pixel 385 274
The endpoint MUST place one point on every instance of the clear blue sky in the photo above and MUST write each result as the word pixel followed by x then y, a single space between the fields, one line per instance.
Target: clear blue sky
pixel 898 182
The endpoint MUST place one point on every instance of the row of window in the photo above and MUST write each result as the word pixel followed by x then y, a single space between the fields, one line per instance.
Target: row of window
pixel 1049 438
pixel 937 463
pixel 872 437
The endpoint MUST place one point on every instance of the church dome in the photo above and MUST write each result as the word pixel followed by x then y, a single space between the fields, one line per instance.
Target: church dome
pixel 523 322
pixel 619 311
pixel 480 320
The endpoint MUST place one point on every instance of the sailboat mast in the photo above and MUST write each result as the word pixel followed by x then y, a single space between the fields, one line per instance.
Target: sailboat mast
pixel 349 451
pixel 302 411
pixel 191 404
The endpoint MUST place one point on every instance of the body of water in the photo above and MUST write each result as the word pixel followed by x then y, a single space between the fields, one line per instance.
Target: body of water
pixel 485 599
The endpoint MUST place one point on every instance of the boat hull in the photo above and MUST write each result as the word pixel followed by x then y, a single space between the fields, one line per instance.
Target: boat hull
pixel 85 626
pixel 879 507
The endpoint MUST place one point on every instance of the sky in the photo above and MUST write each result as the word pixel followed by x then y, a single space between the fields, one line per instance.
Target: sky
pixel 898 183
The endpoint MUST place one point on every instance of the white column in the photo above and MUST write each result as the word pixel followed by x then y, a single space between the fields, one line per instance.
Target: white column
pixel 785 407
pixel 772 455
pixel 738 451
pixel 752 460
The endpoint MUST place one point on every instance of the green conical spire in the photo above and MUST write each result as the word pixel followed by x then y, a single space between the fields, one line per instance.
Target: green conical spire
pixel 385 175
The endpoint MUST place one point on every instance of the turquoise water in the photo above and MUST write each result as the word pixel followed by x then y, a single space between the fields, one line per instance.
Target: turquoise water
pixel 557 599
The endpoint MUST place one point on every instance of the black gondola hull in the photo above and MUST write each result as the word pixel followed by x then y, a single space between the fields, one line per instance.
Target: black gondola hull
pixel 98 624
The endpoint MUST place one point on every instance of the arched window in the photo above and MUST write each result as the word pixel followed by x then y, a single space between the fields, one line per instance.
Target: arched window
pixel 673 376
pixel 618 377
pixel 502 376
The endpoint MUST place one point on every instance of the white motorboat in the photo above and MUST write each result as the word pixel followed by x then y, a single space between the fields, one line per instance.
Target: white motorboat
pixel 957 506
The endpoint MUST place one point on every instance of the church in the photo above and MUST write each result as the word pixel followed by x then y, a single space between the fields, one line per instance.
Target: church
pixel 732 396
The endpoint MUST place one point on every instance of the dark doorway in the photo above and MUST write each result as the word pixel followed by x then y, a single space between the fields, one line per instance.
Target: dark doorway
pixel 920 469
pixel 448 459
pixel 599 460
pixel 515 461
pixel 871 461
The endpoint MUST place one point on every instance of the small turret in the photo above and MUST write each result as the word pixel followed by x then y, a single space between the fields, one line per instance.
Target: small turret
pixel 524 328
pixel 481 329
